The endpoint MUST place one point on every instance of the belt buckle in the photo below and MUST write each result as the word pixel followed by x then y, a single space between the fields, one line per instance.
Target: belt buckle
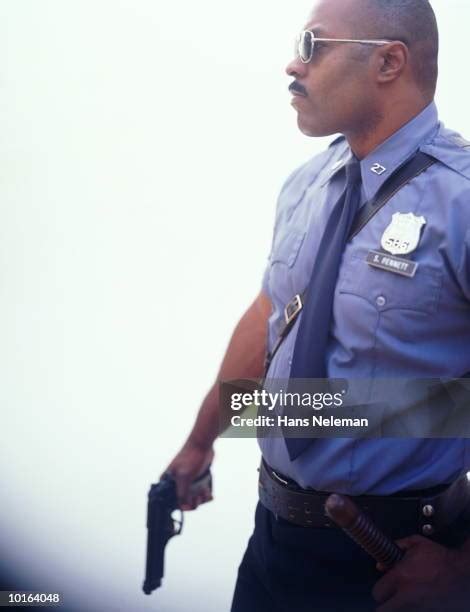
pixel 292 309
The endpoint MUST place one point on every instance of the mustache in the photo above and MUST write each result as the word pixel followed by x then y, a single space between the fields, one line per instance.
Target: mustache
pixel 297 88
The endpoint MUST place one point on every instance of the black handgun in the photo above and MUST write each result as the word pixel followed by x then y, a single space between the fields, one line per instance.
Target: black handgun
pixel 161 526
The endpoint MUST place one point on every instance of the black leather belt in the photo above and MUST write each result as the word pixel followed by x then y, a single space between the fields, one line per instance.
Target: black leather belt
pixel 429 512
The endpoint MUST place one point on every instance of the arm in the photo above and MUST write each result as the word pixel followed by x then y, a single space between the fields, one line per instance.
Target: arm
pixel 244 358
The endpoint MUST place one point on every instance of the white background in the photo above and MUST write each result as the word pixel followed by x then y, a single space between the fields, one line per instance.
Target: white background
pixel 142 146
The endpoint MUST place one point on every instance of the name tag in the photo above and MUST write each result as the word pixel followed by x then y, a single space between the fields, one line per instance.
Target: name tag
pixel 388 262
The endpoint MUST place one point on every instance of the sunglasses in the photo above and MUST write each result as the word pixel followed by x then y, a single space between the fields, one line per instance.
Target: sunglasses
pixel 305 44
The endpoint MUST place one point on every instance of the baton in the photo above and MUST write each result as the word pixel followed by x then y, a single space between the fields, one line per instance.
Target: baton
pixel 346 514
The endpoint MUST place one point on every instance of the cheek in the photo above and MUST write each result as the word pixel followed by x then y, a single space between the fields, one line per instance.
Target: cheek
pixel 330 86
pixel 348 96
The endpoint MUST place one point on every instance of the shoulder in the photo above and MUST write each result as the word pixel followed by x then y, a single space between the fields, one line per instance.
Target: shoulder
pixel 448 186
pixel 452 150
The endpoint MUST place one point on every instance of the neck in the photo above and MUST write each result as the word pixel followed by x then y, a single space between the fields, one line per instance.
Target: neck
pixel 386 123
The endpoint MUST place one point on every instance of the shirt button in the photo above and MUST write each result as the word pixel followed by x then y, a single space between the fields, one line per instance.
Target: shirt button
pixel 290 362
pixel 381 301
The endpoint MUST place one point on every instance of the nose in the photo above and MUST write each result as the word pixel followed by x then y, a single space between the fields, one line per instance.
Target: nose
pixel 296 68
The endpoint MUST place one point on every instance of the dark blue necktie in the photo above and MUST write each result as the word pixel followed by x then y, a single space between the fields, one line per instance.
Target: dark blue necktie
pixel 309 359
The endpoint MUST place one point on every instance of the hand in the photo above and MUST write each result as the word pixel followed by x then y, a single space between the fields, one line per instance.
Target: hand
pixel 189 464
pixel 429 578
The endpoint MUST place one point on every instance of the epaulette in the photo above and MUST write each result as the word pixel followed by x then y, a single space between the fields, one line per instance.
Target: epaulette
pixel 451 149
pixel 459 140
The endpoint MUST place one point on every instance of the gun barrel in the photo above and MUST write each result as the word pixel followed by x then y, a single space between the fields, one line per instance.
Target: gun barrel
pixel 346 514
pixel 155 560
pixel 149 587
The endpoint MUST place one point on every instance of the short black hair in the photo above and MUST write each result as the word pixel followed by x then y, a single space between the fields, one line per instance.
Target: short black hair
pixel 414 23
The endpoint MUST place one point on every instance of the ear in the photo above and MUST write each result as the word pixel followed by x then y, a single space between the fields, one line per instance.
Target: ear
pixel 392 61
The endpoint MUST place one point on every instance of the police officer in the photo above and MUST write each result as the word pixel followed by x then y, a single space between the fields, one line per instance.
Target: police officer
pixel 399 306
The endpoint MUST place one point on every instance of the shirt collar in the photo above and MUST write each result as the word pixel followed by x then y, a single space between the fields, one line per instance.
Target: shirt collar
pixel 382 162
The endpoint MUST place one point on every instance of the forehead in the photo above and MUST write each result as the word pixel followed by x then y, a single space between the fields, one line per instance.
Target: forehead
pixel 336 18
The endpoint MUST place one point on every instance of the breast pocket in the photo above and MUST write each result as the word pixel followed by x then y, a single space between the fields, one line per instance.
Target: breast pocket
pixel 388 291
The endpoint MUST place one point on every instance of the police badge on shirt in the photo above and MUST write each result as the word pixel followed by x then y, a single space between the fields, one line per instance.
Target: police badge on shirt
pixel 401 237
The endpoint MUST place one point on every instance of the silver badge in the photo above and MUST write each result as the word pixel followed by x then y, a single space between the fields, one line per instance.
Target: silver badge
pixel 402 235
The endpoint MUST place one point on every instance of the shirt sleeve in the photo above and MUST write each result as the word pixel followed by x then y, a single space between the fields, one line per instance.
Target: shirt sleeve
pixel 265 279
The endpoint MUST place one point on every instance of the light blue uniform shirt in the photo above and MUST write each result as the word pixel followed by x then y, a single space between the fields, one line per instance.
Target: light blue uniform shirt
pixel 384 325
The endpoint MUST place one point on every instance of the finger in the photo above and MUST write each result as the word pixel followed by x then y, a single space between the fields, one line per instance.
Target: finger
pixel 208 497
pixel 192 497
pixel 193 501
pixel 202 497
pixel 189 504
pixel 198 500
pixel 410 542
pixel 380 567
pixel 200 490
pixel 386 587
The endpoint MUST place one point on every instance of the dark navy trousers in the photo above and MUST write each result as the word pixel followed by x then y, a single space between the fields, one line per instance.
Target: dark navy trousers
pixel 287 568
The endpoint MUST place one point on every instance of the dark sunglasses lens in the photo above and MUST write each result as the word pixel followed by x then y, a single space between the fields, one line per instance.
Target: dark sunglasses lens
pixel 306 46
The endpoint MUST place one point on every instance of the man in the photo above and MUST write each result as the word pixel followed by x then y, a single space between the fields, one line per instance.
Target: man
pixel 372 79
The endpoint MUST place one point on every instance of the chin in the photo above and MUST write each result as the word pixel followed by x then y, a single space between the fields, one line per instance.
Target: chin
pixel 309 128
